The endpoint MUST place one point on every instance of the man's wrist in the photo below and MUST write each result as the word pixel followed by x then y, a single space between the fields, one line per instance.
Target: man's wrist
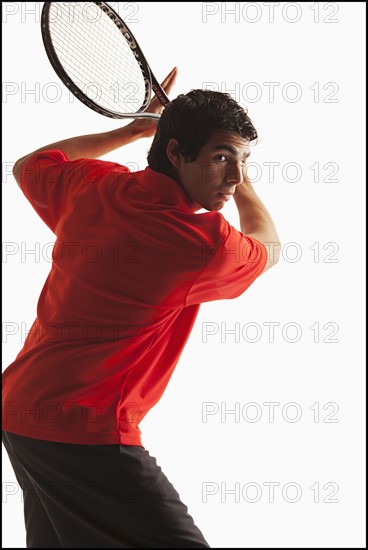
pixel 135 130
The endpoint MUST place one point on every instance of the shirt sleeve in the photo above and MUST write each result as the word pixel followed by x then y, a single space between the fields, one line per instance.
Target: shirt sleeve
pixel 48 178
pixel 233 267
pixel 44 184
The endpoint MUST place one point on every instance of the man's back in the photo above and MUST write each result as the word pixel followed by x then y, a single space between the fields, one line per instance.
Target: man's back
pixel 131 264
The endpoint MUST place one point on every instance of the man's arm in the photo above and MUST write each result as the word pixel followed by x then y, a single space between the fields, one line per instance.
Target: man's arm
pixel 255 220
pixel 97 145
pixel 89 146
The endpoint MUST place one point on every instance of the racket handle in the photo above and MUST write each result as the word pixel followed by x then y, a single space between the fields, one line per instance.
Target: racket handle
pixel 143 114
pixel 164 100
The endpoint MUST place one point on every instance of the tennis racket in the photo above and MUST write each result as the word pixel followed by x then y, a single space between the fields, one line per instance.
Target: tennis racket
pixel 96 56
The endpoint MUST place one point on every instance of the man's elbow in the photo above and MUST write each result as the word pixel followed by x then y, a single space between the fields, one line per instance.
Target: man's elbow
pixel 273 252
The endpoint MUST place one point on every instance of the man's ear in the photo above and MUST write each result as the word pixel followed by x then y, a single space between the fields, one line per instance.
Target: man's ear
pixel 173 153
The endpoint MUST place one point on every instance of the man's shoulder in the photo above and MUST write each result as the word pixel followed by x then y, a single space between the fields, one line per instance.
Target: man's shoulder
pixel 205 227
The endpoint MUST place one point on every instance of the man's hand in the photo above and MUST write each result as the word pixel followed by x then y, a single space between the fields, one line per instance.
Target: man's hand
pixel 146 127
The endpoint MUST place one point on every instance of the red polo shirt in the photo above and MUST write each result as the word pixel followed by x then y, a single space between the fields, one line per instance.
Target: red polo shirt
pixel 132 262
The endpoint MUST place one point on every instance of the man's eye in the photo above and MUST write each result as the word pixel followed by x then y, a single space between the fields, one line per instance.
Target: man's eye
pixel 221 158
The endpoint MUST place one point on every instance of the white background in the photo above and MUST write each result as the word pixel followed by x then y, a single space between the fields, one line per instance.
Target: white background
pixel 314 56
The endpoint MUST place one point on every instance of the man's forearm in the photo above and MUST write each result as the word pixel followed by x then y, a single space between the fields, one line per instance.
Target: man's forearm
pixel 88 146
pixel 253 215
pixel 96 145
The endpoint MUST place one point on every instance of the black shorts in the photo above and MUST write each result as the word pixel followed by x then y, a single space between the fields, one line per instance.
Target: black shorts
pixel 97 496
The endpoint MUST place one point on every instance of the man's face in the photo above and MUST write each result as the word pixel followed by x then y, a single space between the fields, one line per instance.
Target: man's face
pixel 211 179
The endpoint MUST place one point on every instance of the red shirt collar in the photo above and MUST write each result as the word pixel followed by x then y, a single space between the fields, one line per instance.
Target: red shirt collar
pixel 168 189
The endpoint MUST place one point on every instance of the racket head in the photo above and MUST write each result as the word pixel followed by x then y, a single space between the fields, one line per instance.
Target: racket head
pixel 96 56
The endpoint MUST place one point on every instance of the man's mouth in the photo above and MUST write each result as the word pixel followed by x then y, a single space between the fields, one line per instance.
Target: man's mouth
pixel 226 196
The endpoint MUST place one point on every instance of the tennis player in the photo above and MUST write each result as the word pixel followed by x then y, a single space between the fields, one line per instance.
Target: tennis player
pixel 132 262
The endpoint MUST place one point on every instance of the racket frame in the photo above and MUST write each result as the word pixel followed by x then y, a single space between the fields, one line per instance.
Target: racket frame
pixel 150 80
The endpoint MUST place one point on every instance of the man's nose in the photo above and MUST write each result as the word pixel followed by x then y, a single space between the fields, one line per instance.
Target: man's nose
pixel 235 174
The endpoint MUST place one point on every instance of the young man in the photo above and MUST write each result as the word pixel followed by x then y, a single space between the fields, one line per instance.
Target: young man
pixel 132 262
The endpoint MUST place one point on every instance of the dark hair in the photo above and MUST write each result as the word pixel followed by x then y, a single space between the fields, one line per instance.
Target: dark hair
pixel 190 119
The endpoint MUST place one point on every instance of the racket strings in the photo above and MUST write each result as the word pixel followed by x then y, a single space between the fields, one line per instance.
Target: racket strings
pixel 96 56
